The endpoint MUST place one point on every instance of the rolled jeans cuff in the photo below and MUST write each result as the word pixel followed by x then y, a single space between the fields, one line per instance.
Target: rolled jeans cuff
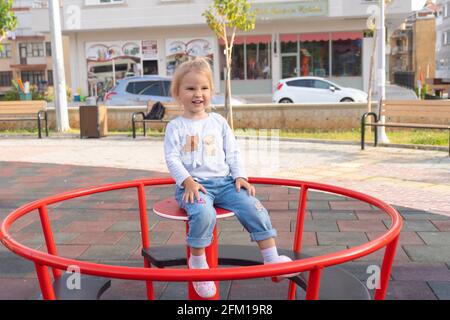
pixel 263 235
pixel 199 242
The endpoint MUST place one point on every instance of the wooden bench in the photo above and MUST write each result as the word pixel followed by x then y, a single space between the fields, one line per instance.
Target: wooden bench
pixel 25 111
pixel 421 114
pixel 172 110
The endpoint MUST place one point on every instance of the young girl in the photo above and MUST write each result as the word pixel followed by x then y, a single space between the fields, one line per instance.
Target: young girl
pixel 202 156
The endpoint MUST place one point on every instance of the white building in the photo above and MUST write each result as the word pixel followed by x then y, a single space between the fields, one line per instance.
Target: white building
pixel 322 37
pixel 443 40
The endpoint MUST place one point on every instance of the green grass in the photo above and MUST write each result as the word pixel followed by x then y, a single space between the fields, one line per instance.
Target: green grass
pixel 417 137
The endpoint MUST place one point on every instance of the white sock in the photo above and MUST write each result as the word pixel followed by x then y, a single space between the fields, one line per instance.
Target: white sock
pixel 198 262
pixel 205 289
pixel 270 254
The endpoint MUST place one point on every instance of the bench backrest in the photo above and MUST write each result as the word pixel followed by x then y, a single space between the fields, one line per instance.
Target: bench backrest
pixel 22 107
pixel 439 109
pixel 172 109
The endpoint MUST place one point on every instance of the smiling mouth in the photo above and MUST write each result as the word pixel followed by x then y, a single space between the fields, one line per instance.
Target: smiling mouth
pixel 197 101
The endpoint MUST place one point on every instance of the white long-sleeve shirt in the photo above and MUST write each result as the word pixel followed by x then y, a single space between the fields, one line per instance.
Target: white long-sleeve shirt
pixel 203 148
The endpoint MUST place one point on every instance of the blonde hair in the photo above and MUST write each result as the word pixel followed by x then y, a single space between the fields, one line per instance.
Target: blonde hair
pixel 200 65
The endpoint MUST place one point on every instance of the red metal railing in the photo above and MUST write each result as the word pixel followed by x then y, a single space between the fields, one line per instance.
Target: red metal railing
pixel 313 265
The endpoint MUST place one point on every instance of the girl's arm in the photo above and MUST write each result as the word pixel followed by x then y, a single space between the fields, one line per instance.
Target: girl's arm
pixel 172 152
pixel 232 154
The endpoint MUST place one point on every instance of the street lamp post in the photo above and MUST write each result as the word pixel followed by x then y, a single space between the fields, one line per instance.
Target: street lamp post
pixel 62 114
pixel 382 137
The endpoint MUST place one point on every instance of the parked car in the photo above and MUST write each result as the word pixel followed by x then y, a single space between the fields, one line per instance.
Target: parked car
pixel 136 91
pixel 314 89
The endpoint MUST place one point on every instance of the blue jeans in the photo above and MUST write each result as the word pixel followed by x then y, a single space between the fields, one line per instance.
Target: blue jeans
pixel 222 192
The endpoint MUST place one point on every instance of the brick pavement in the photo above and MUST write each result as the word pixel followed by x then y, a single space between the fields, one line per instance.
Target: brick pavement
pixel 104 228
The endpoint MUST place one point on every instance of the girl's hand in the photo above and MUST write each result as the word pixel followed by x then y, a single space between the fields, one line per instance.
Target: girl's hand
pixel 191 188
pixel 242 183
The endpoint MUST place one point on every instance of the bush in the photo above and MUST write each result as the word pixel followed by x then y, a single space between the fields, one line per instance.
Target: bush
pixel 10 96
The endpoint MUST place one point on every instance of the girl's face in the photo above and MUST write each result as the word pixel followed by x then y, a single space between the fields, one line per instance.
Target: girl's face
pixel 194 94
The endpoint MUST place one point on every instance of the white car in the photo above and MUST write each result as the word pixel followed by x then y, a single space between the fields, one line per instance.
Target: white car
pixel 315 90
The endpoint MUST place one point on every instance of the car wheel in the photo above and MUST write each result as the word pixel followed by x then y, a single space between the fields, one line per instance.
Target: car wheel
pixel 347 100
pixel 285 100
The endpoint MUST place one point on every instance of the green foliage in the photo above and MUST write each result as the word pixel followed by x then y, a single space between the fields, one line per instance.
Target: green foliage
pixel 10 96
pixel 8 21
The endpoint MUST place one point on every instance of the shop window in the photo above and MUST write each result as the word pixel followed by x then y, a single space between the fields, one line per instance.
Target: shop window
pixel 314 54
pixel 5 79
pixel 347 54
pixel 258 57
pixel 251 58
pixel 34 77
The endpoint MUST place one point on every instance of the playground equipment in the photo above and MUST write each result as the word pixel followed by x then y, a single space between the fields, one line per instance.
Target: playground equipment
pixel 321 277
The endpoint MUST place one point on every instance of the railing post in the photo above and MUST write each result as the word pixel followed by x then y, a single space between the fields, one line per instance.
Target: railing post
pixel 48 293
pixel 300 219
pixel 48 235
pixel 388 260
pixel 312 292
pixel 298 234
pixel 145 236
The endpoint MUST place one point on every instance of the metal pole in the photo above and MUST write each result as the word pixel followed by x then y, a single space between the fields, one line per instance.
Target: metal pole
pixel 62 114
pixel 382 138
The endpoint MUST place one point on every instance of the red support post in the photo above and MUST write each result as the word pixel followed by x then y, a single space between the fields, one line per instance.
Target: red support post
pixel 44 282
pixel 388 260
pixel 48 235
pixel 300 219
pixel 312 292
pixel 145 236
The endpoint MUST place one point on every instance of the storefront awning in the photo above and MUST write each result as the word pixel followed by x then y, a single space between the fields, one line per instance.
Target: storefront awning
pixel 314 37
pixel 250 39
pixel 29 67
pixel 346 36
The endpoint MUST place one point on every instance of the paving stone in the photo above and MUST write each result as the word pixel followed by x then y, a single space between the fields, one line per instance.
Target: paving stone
pixel 135 238
pixel 317 225
pixel 315 251
pixel 333 215
pixel 414 225
pixel 19 289
pixel 442 225
pixel 233 237
pixel 102 252
pixel 435 238
pixel 378 256
pixel 341 238
pixel 310 205
pixel 441 289
pixel 423 216
pixel 349 205
pixel 421 272
pixel 361 226
pixel 127 226
pixel 409 290
pixel 428 253
pixel 230 225
pixel 406 237
pixel 98 238
pixel 13 266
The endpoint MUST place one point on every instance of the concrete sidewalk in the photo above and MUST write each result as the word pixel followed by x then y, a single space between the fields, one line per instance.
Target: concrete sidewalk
pixel 105 228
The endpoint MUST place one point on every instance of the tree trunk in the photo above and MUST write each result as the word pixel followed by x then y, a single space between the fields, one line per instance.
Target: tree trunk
pixel 371 73
pixel 228 106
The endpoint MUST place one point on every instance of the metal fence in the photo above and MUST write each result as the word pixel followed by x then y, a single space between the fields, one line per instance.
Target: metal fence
pixel 405 79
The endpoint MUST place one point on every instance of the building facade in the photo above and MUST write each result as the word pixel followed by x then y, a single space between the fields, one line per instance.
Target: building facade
pixel 27 54
pixel 112 39
pixel 443 40
pixel 410 54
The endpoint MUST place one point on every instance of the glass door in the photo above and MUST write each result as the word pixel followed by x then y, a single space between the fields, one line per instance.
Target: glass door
pixel 289 66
